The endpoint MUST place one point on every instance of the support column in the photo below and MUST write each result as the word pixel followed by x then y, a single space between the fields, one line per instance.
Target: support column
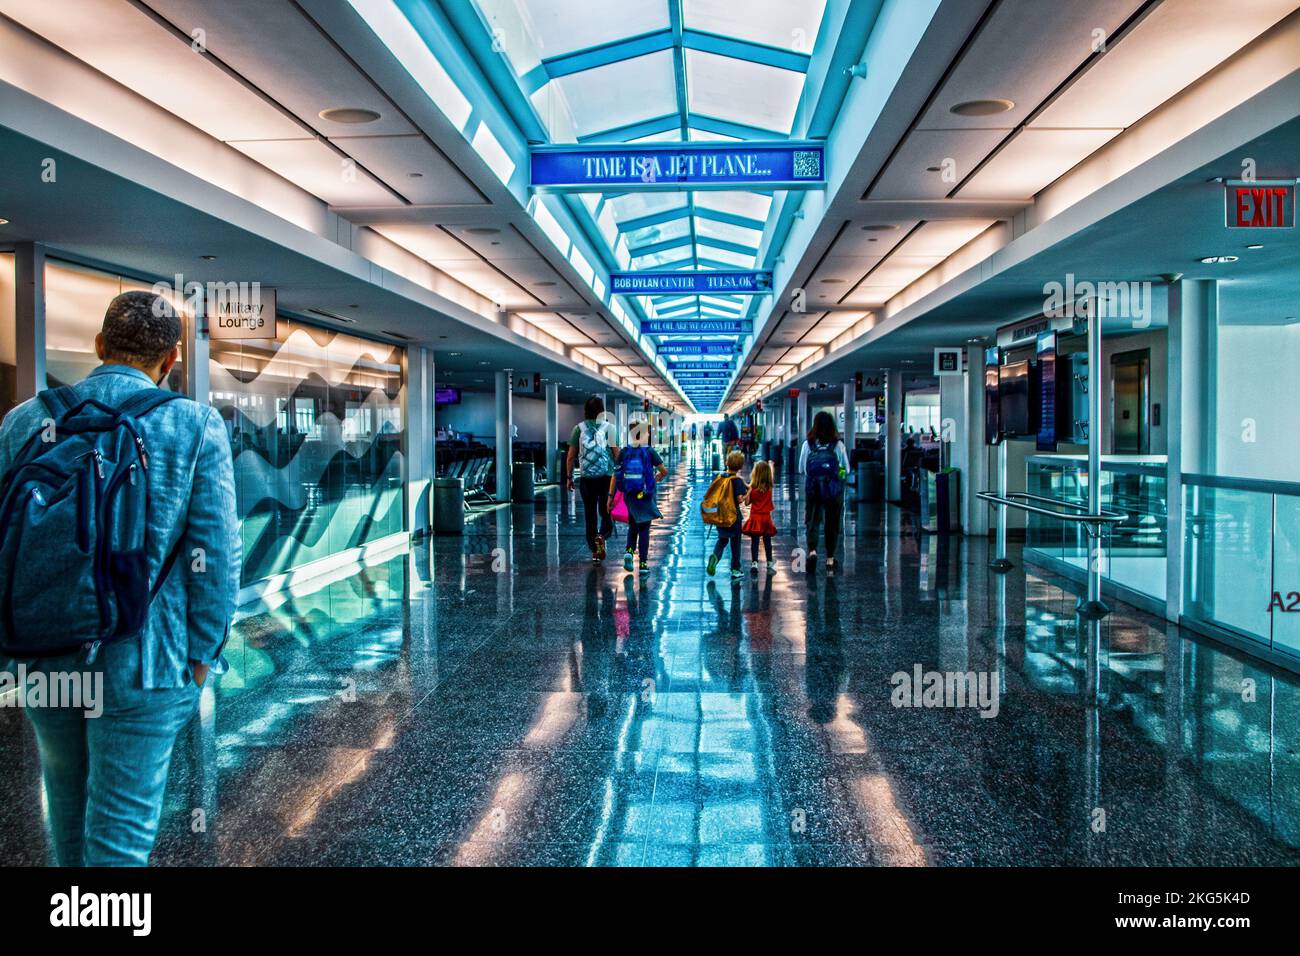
pixel 893 434
pixel 552 459
pixel 195 352
pixel 505 422
pixel 620 423
pixel 420 444
pixel 1191 413
pixel 954 431
pixel 850 415
pixel 29 319
pixel 975 513
pixel 801 421
pixel 1092 606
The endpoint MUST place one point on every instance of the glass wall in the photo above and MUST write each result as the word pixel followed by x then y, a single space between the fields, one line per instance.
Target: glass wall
pixel 8 339
pixel 316 426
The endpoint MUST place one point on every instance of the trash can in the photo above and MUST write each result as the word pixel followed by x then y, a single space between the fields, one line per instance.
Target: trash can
pixel 522 484
pixel 448 506
pixel 871 481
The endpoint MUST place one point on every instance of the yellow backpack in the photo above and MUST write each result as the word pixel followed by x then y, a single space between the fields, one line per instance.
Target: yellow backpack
pixel 719 505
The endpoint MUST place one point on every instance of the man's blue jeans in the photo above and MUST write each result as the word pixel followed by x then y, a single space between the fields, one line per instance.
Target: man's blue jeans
pixel 105 776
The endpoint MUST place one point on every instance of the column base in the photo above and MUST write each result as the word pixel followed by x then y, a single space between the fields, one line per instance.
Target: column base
pixel 1091 610
pixel 1001 565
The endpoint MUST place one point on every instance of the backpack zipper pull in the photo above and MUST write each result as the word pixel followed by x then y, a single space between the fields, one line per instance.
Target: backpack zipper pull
pixel 144 455
pixel 99 463
pixel 92 651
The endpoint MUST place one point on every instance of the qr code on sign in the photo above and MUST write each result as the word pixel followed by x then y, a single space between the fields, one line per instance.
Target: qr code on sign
pixel 807 164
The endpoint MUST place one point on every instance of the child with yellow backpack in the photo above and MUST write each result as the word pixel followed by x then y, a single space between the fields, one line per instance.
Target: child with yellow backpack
pixel 721 508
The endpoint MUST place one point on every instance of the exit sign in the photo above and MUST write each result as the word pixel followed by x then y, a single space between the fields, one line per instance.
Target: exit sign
pixel 1259 205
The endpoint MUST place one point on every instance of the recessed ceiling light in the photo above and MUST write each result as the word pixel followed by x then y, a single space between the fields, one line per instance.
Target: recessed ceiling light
pixel 482 231
pixel 4 222
pixel 932 169
pixel 983 107
pixel 1211 260
pixel 544 284
pixel 416 175
pixel 208 258
pixel 349 115
pixel 832 281
pixel 1255 245
pixel 879 227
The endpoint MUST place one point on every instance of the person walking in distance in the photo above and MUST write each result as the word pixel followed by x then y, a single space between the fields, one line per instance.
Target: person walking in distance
pixel 591 446
pixel 639 468
pixel 825 464
pixel 130 582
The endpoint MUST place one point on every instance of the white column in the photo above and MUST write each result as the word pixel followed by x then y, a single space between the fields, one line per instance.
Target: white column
pixel 29 318
pixel 419 448
pixel 975 513
pixel 552 458
pixel 893 434
pixel 505 415
pixel 195 353
pixel 954 429
pixel 801 419
pixel 850 415
pixel 620 422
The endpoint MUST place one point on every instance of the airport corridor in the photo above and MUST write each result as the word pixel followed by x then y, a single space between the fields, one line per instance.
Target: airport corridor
pixel 522 707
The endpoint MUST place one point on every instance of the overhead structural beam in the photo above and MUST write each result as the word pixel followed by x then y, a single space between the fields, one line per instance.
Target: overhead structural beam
pixel 442 214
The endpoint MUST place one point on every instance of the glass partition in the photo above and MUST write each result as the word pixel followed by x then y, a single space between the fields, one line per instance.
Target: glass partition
pixel 1133 553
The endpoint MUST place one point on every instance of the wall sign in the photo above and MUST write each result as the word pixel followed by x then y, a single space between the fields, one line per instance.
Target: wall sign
pixel 671 166
pixel 697 326
pixel 239 310
pixel 692 283
pixel 947 361
pixel 1265 204
pixel 699 367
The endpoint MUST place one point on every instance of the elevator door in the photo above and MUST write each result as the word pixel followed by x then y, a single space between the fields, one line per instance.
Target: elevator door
pixel 1131 430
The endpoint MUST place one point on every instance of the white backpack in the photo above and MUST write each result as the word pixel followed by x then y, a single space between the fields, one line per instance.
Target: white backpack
pixel 593 450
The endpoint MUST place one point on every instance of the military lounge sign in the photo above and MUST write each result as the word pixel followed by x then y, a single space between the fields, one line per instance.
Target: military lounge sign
pixel 668 166
pixel 690 283
pixel 239 310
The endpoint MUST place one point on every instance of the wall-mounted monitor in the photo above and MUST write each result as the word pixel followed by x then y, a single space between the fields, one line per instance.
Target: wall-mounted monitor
pixel 1047 397
pixel 443 395
pixel 1014 412
pixel 992 420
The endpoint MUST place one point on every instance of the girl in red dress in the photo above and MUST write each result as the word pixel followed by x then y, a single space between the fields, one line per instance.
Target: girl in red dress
pixel 759 523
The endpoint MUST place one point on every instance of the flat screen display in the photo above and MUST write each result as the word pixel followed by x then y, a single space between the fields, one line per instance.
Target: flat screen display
pixel 446 396
pixel 992 422
pixel 1047 399
pixel 1013 399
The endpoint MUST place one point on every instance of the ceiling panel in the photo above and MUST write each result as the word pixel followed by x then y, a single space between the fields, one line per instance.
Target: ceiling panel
pixel 1176 43
pixel 1033 160
pixel 942 237
pixel 313 166
pixel 394 158
pixel 428 242
pixel 1062 39
pixel 856 240
pixel 907 175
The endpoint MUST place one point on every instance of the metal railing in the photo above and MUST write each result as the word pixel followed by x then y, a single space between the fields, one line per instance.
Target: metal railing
pixel 1079 513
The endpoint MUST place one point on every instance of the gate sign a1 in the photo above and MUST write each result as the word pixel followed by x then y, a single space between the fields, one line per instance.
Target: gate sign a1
pixel 673 166
pixel 690 283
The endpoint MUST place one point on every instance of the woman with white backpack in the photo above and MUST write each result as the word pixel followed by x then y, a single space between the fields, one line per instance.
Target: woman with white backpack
pixel 591 446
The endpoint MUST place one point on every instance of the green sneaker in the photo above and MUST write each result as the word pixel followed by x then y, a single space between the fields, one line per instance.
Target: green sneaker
pixel 713 564
pixel 643 568
pixel 627 561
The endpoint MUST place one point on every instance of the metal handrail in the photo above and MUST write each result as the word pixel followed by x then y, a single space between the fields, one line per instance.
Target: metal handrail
pixel 1013 500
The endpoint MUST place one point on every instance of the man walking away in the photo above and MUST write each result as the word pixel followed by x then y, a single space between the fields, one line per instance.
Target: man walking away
pixel 591 445
pixel 729 435
pixel 142 600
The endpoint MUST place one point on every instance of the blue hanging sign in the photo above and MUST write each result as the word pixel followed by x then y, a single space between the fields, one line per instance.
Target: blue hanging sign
pixel 697 348
pixel 700 367
pixel 690 283
pixel 697 326
pixel 701 376
pixel 672 166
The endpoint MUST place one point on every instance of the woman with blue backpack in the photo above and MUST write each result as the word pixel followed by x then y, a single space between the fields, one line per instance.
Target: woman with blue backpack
pixel 639 467
pixel 825 465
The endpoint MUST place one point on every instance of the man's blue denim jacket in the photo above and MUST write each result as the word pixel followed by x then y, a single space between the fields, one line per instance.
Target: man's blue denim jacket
pixel 191 493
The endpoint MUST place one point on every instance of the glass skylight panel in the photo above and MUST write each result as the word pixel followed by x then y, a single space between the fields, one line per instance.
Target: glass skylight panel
pixel 704 136
pixel 749 205
pixel 553 28
pixel 635 205
pixel 725 256
pixel 741 91
pixel 727 232
pixel 787 24
pixel 734 305
pixel 617 94
pixel 664 257
pixel 662 232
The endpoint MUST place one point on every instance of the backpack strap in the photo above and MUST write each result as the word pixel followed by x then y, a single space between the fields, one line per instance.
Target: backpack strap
pixel 145 400
pixel 60 400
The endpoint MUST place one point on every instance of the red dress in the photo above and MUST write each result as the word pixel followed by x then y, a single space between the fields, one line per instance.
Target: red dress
pixel 760 513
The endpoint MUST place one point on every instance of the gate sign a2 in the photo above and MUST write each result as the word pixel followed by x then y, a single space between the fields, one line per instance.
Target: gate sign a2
pixel 671 166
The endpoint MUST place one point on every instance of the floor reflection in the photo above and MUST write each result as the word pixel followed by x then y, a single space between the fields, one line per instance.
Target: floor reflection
pixel 494 699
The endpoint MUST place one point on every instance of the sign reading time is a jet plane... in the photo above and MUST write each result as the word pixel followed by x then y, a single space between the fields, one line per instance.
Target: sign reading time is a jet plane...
pixel 672 166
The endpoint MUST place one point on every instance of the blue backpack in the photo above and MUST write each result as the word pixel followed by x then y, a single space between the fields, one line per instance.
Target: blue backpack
pixel 73 517
pixel 823 472
pixel 636 474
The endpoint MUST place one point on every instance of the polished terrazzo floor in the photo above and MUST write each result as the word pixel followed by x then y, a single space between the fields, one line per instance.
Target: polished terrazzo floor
pixel 497 700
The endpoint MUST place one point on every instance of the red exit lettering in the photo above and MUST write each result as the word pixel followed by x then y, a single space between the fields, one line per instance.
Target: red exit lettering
pixel 1267 206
